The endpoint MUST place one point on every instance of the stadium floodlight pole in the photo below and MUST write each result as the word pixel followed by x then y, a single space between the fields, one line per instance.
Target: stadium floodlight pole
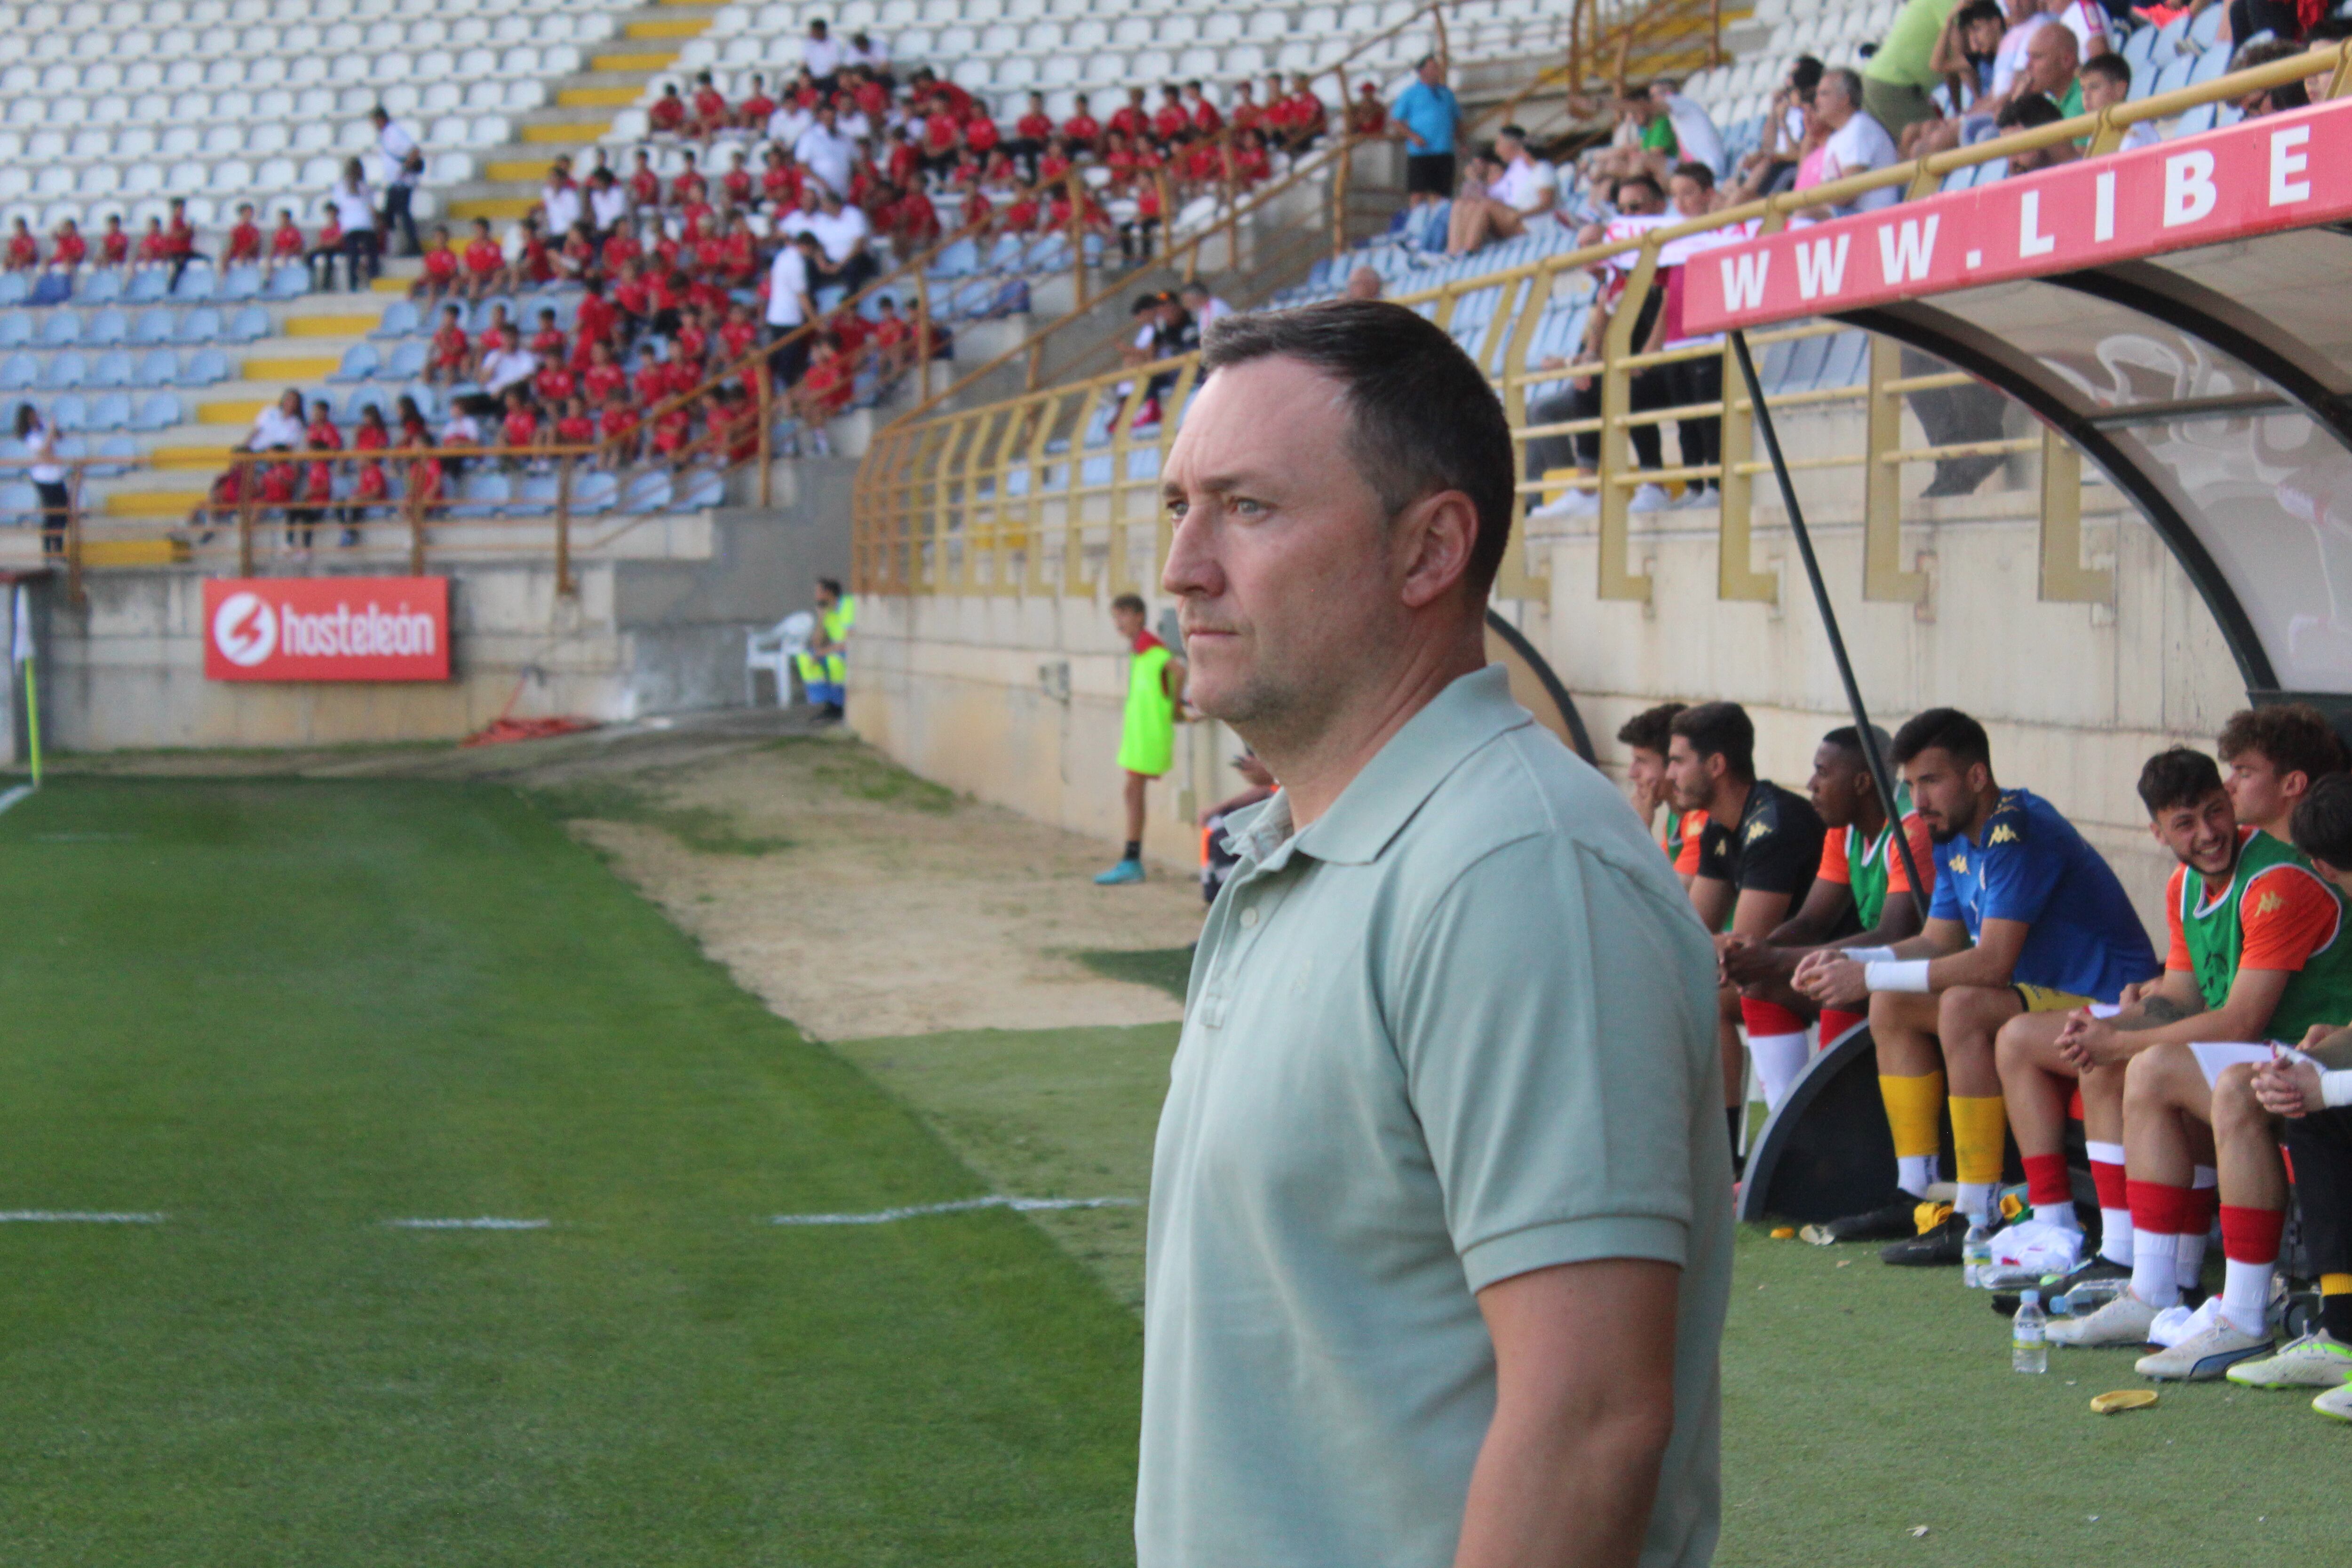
pixel 1871 754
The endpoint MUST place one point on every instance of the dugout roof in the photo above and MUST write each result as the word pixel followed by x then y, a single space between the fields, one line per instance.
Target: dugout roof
pixel 2181 312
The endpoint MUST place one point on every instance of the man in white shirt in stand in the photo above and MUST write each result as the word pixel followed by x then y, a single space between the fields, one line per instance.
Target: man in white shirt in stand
pixel 279 425
pixel 559 201
pixel 841 232
pixel 821 55
pixel 1695 137
pixel 790 122
pixel 510 366
pixel 790 307
pixel 397 143
pixel 1205 307
pixel 1857 143
pixel 1525 189
pixel 825 152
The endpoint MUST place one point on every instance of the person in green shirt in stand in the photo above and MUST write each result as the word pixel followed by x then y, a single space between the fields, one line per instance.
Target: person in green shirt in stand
pixel 1897 79
pixel 1147 744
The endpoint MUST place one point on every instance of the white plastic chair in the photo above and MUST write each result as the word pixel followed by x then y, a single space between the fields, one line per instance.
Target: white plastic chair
pixel 773 651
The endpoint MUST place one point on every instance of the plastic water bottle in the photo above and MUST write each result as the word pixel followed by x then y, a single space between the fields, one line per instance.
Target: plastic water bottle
pixel 1976 1255
pixel 2029 1340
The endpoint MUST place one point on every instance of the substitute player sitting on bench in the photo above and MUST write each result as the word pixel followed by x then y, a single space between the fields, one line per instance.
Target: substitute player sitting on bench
pixel 2269 942
pixel 1755 863
pixel 2026 918
pixel 1860 897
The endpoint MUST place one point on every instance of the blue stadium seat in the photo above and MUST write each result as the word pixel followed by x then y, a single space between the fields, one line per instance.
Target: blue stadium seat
pixel 1005 255
pixel 154 327
pixel 121 447
pixel 250 324
pixel 66 371
pixel 15 287
pixel 15 329
pixel 400 318
pixel 536 494
pixel 196 283
pixel 647 492
pixel 482 495
pixel 201 325
pixel 114 368
pixel 68 412
pixel 110 411
pixel 19 372
pixel 158 367
pixel 108 327
pixel 289 283
pixel 595 493
pixel 62 328
pixel 956 260
pixel 365 397
pixel 241 283
pixel 157 411
pixel 407 360
pixel 148 286
pixel 101 286
pixel 18 501
pixel 427 399
pixel 2205 29
pixel 2212 65
pixel 359 362
pixel 705 487
pixel 207 368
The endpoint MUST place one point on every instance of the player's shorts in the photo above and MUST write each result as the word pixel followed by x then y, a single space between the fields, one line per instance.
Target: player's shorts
pixel 2044 999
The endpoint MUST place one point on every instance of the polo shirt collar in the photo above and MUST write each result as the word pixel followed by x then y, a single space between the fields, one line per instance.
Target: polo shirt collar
pixel 1378 803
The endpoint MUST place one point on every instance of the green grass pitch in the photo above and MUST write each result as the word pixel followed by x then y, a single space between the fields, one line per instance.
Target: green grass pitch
pixel 283 1014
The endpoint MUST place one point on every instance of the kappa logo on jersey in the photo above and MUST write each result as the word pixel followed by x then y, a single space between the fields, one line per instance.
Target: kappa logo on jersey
pixel 1757 830
pixel 245 630
pixel 1961 865
pixel 2002 833
pixel 2269 904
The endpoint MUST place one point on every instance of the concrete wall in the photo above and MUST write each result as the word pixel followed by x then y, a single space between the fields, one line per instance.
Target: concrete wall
pixel 657 625
pixel 1017 701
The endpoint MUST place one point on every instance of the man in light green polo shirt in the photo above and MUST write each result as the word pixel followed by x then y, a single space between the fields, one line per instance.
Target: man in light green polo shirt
pixel 1898 78
pixel 1440 1231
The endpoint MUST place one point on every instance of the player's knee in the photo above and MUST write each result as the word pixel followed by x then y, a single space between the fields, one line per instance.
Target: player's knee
pixel 2146 1077
pixel 2235 1108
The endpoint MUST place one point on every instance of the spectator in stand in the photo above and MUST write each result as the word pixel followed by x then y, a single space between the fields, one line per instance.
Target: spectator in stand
pixel 403 165
pixel 1428 117
pixel 24 250
pixel 439 277
pixel 180 240
pixel 668 114
pixel 1204 115
pixel 820 56
pixel 1368 116
pixel 1171 119
pixel 320 260
pixel 279 425
pixel 1030 133
pixel 2087 20
pixel 38 440
pixel 2276 100
pixel 1962 60
pixel 790 290
pixel 559 206
pixel 2029 112
pixel 113 245
pixel 841 233
pixel 1501 211
pixel 1307 117
pixel 1133 119
pixel 354 220
pixel 1897 79
pixel 2106 83
pixel 68 249
pixel 1366 283
pixel 871 55
pixel 1855 144
pixel 451 356
pixel 708 113
pixel 509 365
pixel 826 153
pixel 155 250
pixel 484 262
pixel 244 239
pixel 286 244
pixel 753 113
pixel 1082 130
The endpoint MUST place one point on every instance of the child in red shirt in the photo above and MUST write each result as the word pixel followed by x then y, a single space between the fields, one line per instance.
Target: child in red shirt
pixel 753 113
pixel 440 277
pixel 604 377
pixel 575 428
pixel 709 107
pixel 740 334
pixel 154 249
pixel 69 250
pixel 688 185
pixel 452 356
pixel 520 426
pixel 618 426
pixel 244 238
pixel 596 318
pixel 549 339
pixel 620 248
pixel 737 182
pixel 113 245
pixel 1082 130
pixel 484 262
pixel 644 186
pixel 285 240
pixel 690 344
pixel 553 382
pixel 653 381
pixel 321 432
pixel 668 115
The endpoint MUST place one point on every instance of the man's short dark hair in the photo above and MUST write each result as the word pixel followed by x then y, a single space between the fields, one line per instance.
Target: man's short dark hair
pixel 2176 777
pixel 2027 111
pixel 831 585
pixel 1943 728
pixel 2295 737
pixel 1805 74
pixel 1651 728
pixel 1617 191
pixel 1848 739
pixel 1515 133
pixel 1720 729
pixel 2322 824
pixel 1422 418
pixel 1132 602
pixel 2109 65
pixel 1697 173
pixel 1976 11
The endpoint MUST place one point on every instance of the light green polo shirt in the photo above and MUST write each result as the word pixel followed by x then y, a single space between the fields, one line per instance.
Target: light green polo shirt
pixel 1909 44
pixel 1459 1028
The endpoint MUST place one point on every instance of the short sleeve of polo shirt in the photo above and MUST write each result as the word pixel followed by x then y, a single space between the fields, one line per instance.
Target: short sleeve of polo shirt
pixel 1944 903
pixel 1694 843
pixel 1554 1134
pixel 2283 917
pixel 1782 860
pixel 1833 866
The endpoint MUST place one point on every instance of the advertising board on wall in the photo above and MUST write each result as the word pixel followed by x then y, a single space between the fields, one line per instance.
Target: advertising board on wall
pixel 326 628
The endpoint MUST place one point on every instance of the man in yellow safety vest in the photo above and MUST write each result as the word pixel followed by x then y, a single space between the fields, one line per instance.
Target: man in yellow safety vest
pixel 825 668
pixel 1146 745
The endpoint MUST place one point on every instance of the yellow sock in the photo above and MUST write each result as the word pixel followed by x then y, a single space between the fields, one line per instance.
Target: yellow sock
pixel 2336 1284
pixel 1978 1126
pixel 1912 1104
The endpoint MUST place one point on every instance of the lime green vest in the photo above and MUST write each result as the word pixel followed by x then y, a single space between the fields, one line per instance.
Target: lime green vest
pixel 832 667
pixel 1148 743
pixel 1869 868
pixel 2320 993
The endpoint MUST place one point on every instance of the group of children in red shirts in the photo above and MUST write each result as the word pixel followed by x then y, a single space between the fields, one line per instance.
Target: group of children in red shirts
pixel 171 242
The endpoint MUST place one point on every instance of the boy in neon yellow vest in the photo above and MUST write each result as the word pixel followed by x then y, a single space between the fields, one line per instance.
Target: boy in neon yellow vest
pixel 825 668
pixel 1147 744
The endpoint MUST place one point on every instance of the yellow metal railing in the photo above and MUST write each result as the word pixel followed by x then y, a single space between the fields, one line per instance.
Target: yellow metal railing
pixel 1041 493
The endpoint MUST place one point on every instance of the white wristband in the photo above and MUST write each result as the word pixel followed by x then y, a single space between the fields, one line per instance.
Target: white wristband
pixel 1868 954
pixel 1898 974
pixel 2335 1088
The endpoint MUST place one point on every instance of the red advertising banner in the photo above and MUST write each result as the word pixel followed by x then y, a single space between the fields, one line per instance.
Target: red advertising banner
pixel 327 628
pixel 2285 171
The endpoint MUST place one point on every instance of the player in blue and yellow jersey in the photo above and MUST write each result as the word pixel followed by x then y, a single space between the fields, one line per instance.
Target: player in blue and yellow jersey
pixel 2026 918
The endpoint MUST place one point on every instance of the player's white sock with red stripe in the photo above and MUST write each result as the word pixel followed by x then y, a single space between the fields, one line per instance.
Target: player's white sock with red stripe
pixel 2115 1202
pixel 2157 1219
pixel 2204 1197
pixel 1778 1059
pixel 2250 1241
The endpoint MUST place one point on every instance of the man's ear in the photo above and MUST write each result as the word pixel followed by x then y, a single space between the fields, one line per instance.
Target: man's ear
pixel 1435 535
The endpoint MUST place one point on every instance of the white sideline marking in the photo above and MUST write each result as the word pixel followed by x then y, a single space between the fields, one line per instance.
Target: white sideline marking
pixel 960 1205
pixel 486 1222
pixel 10 797
pixel 73 1216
